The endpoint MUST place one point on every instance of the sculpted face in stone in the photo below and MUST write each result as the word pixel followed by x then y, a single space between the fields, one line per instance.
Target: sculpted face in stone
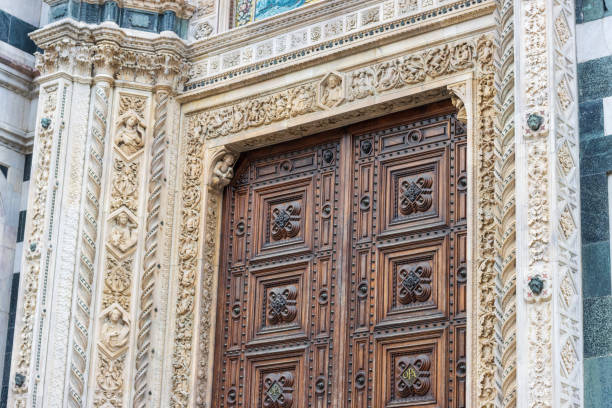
pixel 115 330
pixel 130 135
pixel 332 91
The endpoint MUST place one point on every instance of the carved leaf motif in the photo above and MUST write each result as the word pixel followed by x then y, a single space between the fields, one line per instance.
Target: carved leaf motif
pixel 387 75
pixel 412 69
pixel 437 61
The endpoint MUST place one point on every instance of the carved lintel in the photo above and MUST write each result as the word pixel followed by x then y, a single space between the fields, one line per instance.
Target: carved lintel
pixel 458 94
pixel 222 170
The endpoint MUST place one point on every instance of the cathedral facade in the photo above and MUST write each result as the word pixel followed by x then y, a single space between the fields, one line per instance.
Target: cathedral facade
pixel 332 203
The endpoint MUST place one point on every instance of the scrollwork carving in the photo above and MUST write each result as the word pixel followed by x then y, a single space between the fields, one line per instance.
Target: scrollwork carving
pixel 414 283
pixel 413 379
pixel 415 194
pixel 282 305
pixel 278 390
pixel 286 221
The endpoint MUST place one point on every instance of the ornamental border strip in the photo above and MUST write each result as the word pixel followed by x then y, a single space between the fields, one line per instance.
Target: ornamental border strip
pixel 297 55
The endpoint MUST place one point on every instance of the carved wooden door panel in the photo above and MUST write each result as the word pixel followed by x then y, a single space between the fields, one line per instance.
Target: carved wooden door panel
pixel 277 314
pixel 343 278
pixel 407 318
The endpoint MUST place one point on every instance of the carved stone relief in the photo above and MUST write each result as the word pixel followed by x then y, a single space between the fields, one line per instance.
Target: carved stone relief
pixel 122 227
pixel 33 248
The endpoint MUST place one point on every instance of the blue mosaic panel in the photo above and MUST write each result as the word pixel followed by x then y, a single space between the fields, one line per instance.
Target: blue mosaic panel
pixel 247 11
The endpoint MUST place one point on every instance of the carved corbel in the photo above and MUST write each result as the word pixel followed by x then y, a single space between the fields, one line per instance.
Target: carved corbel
pixel 222 169
pixel 458 95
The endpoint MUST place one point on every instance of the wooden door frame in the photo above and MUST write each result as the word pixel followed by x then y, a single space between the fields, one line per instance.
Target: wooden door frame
pixel 472 92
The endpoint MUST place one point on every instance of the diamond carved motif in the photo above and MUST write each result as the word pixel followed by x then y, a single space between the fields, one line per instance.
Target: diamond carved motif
pixel 415 195
pixel 562 29
pixel 566 221
pixel 285 221
pixel 414 283
pixel 567 290
pixel 568 356
pixel 278 390
pixel 563 93
pixel 282 305
pixel 566 161
pixel 413 376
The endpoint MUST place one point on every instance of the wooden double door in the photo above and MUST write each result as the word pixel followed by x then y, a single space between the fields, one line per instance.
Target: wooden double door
pixel 343 277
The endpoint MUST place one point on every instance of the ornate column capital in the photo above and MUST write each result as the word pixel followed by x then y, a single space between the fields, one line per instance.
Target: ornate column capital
pixel 65 56
pixel 106 60
pixel 170 71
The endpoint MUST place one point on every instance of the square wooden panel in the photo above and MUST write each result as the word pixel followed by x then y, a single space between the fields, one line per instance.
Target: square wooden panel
pixel 413 191
pixel 276 381
pixel 412 281
pixel 278 305
pixel 282 218
pixel 411 371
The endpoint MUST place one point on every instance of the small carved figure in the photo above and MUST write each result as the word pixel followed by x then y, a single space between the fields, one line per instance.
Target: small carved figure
pixel 130 137
pixel 123 233
pixel 223 171
pixel 332 91
pixel 115 330
pixel 302 100
pixel 361 86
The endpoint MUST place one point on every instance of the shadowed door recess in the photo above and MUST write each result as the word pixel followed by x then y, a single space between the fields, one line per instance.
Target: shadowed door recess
pixel 343 278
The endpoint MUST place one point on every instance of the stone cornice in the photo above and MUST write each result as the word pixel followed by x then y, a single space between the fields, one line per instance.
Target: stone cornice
pixel 360 40
pixel 88 33
pixel 260 30
pixel 106 51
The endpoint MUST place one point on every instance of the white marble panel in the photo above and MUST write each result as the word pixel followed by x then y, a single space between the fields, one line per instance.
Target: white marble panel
pixel 594 39
pixel 607 114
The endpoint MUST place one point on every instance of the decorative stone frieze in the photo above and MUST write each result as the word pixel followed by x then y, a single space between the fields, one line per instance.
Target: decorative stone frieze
pixel 122 232
pixel 36 246
pixel 548 253
pixel 247 58
pixel 361 83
